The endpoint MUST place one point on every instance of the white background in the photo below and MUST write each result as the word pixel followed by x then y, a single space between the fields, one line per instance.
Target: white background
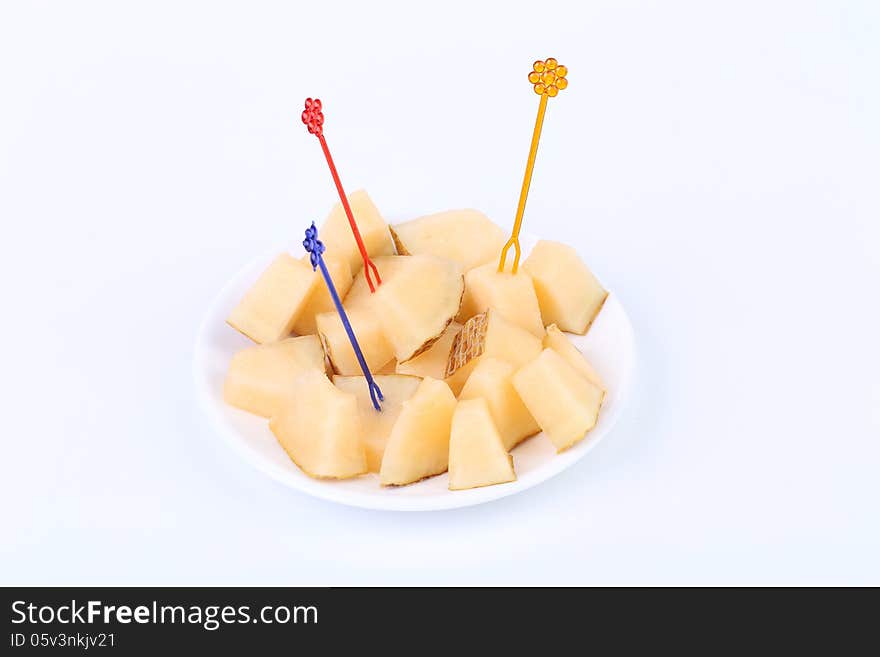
pixel 717 161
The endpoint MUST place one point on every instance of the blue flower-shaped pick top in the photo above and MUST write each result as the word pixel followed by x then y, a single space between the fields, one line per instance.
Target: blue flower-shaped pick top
pixel 313 245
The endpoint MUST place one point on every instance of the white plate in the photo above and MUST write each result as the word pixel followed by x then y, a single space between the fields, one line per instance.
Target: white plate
pixel 609 346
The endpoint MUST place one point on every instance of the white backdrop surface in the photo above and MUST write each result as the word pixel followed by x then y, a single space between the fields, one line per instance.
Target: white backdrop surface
pixel 719 163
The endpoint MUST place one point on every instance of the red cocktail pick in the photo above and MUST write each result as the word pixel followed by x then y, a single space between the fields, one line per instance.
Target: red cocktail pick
pixel 313 118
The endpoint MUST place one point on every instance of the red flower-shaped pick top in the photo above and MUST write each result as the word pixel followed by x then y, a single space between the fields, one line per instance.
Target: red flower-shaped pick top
pixel 313 117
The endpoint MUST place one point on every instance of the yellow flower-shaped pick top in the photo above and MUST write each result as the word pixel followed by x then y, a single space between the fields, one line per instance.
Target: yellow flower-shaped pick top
pixel 548 77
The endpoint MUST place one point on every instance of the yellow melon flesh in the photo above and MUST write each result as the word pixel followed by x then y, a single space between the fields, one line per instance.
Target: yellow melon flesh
pixel 320 430
pixel 418 446
pixel 339 240
pixel 319 299
pixel 262 378
pixel 477 456
pixel 568 293
pixel 512 295
pixel 488 334
pixel 410 317
pixel 492 380
pixel 269 309
pixel 417 305
pixel 559 342
pixel 388 368
pixel 388 266
pixel 377 425
pixel 563 402
pixel 432 361
pixel 466 236
pixel 374 345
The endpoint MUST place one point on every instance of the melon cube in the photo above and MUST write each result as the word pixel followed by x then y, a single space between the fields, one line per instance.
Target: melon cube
pixel 319 299
pixel 568 293
pixel 337 236
pixel 466 236
pixel 563 402
pixel 320 430
pixel 416 306
pixel 432 361
pixel 512 295
pixel 477 456
pixel 418 446
pixel 377 425
pixel 559 342
pixel 388 266
pixel 492 380
pixel 373 343
pixel 262 378
pixel 269 309
pixel 488 334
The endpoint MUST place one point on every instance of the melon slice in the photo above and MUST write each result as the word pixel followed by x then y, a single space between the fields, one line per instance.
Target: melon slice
pixel 269 309
pixel 415 306
pixel 563 402
pixel 492 380
pixel 377 425
pixel 320 429
pixel 568 293
pixel 339 240
pixel 432 361
pixel 488 334
pixel 466 236
pixel 418 446
pixel 409 315
pixel 477 456
pixel 559 342
pixel 512 295
pixel 262 378
pixel 374 345
pixel 319 299
pixel 388 267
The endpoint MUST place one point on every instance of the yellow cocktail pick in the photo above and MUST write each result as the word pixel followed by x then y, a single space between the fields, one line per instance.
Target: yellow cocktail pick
pixel 548 78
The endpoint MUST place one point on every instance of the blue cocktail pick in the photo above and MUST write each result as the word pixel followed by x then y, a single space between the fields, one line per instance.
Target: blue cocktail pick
pixel 315 247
